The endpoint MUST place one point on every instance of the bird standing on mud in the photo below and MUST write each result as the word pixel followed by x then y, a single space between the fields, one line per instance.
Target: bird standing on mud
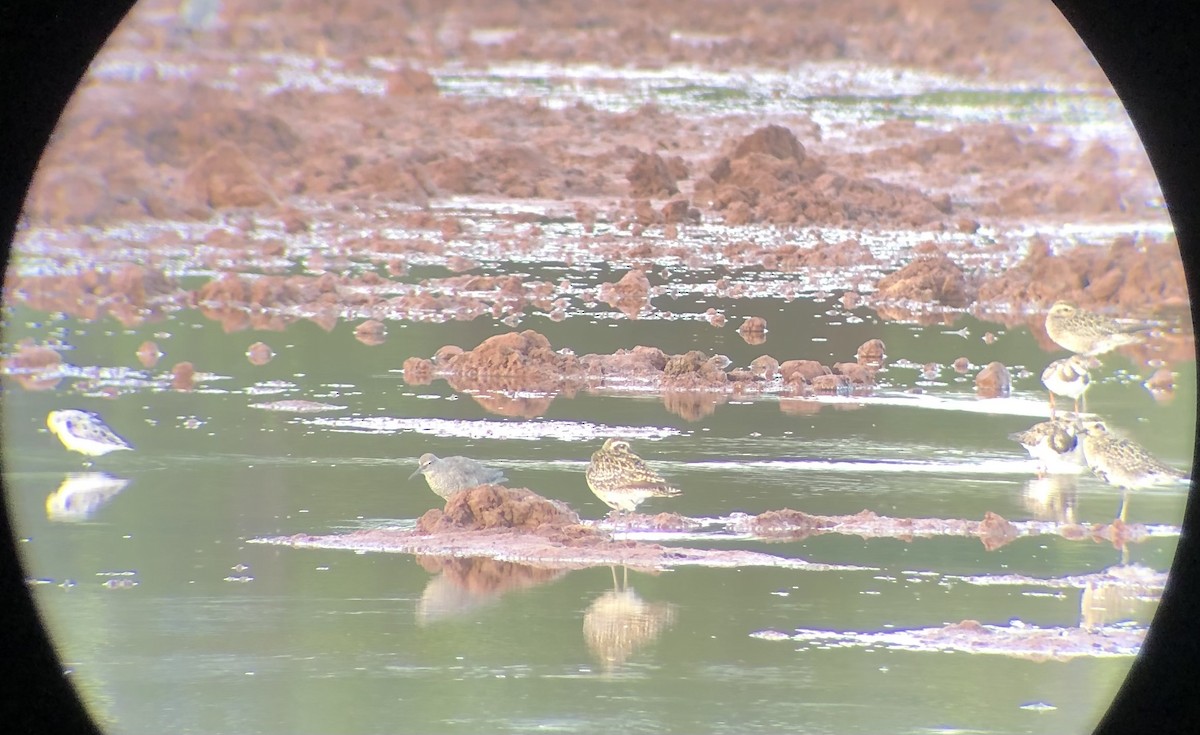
pixel 85 432
pixel 448 475
pixel 622 480
pixel 1086 333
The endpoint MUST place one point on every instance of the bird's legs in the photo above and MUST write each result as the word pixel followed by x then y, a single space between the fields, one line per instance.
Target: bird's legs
pixel 1124 505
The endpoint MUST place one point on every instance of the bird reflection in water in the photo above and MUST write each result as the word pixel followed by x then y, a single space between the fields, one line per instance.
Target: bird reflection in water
pixel 1134 598
pixel 1051 498
pixel 462 585
pixel 81 494
pixel 618 623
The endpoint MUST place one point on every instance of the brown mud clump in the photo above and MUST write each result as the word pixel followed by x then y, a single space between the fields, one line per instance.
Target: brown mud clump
pixel 183 376
pixel 693 371
pixel 1128 274
pixel 933 278
pixel 418 371
pixel 259 353
pixel 995 531
pixel 754 330
pixel 651 178
pixel 770 177
pixel 495 507
pixel 871 353
pixel 33 366
pixel 148 354
pixel 993 381
pixel 516 361
pixel 628 295
pixel 371 333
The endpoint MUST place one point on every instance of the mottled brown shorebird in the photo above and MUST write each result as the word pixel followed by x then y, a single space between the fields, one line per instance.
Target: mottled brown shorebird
pixel 1054 444
pixel 448 475
pixel 622 480
pixel 1069 378
pixel 1086 333
pixel 1122 462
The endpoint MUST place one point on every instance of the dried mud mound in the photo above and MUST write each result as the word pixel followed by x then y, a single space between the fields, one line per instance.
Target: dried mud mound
pixel 495 507
pixel 1126 275
pixel 769 177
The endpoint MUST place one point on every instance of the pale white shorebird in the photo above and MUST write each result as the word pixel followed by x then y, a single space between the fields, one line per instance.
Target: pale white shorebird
pixel 1069 378
pixel 85 432
pixel 448 475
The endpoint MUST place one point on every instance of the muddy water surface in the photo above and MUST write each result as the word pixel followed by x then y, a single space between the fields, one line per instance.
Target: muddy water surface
pixel 165 574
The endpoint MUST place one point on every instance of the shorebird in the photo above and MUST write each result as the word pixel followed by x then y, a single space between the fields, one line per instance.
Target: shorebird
pixel 84 432
pixel 1069 378
pixel 1086 333
pixel 1122 462
pixel 448 475
pixel 1054 444
pixel 622 480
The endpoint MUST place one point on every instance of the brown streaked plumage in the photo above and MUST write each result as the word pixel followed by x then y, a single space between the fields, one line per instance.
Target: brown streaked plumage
pixel 1084 332
pixel 622 480
pixel 1123 462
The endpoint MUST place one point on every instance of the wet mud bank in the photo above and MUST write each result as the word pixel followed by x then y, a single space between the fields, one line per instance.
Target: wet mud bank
pixel 518 525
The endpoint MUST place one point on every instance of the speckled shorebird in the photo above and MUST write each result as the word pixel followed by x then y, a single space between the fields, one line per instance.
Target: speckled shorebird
pixel 1069 378
pixel 1122 462
pixel 622 480
pixel 448 475
pixel 84 432
pixel 1054 444
pixel 1086 333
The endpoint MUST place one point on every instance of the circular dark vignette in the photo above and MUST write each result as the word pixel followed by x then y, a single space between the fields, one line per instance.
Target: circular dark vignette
pixel 1148 53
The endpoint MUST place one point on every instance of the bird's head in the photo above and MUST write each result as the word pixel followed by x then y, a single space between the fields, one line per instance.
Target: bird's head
pixel 423 464
pixel 1062 309
pixel 616 445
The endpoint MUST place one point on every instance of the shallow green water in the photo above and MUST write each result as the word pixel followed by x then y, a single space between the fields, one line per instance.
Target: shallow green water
pixel 219 635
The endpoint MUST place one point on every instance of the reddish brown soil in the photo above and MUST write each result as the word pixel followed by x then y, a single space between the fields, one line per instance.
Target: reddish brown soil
pixel 143 147
pixel 33 366
pixel 993 381
pixel 993 531
pixel 691 384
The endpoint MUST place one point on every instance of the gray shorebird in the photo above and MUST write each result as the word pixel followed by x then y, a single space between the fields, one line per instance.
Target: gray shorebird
pixel 1086 333
pixel 1054 444
pixel 622 479
pixel 1069 378
pixel 85 432
pixel 448 475
pixel 1122 462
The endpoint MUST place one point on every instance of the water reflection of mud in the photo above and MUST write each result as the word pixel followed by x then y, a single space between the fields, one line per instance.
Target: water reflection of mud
pixel 81 494
pixel 1051 498
pixel 462 585
pixel 618 623
pixel 1016 639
